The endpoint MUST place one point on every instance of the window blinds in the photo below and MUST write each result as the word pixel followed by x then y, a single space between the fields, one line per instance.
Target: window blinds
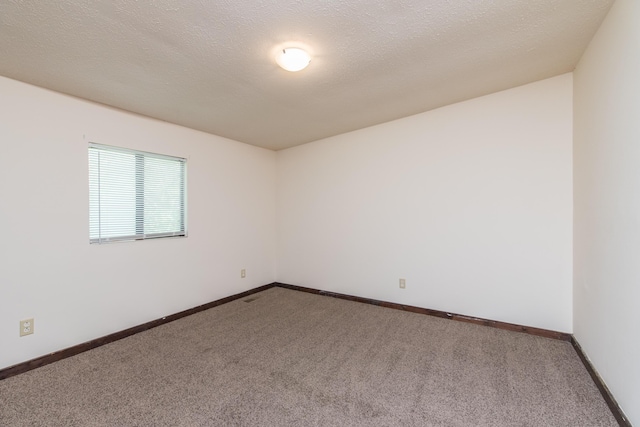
pixel 135 195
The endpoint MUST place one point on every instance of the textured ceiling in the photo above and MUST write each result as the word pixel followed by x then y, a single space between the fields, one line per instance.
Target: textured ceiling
pixel 209 64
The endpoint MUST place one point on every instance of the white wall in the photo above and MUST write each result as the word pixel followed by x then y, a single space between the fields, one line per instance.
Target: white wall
pixel 607 204
pixel 470 203
pixel 76 291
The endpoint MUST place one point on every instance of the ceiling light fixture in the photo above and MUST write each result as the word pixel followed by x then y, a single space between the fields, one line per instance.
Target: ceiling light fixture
pixel 293 59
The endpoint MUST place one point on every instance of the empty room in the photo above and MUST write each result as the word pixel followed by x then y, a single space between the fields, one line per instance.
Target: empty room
pixel 289 213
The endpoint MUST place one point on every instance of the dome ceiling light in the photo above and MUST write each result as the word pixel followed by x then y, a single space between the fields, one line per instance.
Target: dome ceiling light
pixel 293 59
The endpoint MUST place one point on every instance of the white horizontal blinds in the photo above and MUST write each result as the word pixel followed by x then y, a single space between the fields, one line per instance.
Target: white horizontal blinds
pixel 163 196
pixel 135 195
pixel 112 195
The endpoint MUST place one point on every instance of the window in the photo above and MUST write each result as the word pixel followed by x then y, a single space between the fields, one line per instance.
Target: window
pixel 135 195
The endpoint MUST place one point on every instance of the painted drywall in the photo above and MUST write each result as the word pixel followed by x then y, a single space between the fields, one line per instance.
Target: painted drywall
pixel 470 203
pixel 607 204
pixel 76 291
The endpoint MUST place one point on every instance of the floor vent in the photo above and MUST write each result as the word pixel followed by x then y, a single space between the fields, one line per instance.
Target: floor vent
pixel 251 299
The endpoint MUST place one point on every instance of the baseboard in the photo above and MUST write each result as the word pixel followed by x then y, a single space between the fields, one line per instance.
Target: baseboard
pixel 86 346
pixel 452 316
pixel 604 390
pixel 606 394
pixel 81 348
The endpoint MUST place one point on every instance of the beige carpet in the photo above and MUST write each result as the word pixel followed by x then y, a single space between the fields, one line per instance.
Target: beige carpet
pixel 289 358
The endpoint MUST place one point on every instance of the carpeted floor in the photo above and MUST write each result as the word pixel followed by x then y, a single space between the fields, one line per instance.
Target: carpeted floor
pixel 289 358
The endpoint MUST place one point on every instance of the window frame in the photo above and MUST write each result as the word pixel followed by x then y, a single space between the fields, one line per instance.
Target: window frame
pixel 139 218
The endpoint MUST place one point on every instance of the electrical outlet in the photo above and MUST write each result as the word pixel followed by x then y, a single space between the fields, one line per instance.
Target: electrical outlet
pixel 26 327
pixel 243 273
pixel 403 284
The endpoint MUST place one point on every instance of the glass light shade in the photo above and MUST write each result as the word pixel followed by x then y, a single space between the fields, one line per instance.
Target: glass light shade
pixel 293 59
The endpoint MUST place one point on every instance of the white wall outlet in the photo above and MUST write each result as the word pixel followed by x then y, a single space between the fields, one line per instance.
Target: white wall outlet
pixel 26 327
pixel 403 284
pixel 243 273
